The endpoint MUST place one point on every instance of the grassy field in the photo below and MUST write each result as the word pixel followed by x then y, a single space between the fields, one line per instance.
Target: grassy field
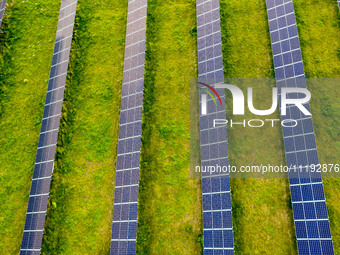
pixel 80 209
pixel 319 30
pixel 81 201
pixel 26 50
pixel 170 202
pixel 262 215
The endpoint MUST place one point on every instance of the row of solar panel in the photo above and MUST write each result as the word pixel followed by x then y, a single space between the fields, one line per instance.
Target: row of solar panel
pixel 213 26
pixel 131 101
pixel 278 11
pixel 132 114
pixel 306 247
pixel 310 210
pixel 218 239
pixel 128 145
pixel 216 201
pixel 206 41
pixel 307 192
pixel 312 229
pixel 205 6
pixel 2 11
pixel 215 184
pixel 212 151
pixel 124 225
pixel 300 143
pixel 211 65
pixel 37 204
pixel 57 81
pixel 209 53
pixel 217 220
pixel 131 88
pixel 125 212
pixel 31 242
pixel 123 247
pixel 133 74
pixel 34 221
pixel 306 187
pixel 128 161
pixel 40 186
pixel 130 130
pixel 218 251
pixel 126 194
pixel 133 60
pixel 127 177
pixel 136 25
pixel 43 170
pixel 124 230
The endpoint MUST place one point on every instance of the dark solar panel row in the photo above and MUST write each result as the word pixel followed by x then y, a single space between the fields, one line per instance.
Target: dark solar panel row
pixel 40 187
pixel 2 11
pixel 308 199
pixel 217 216
pixel 124 222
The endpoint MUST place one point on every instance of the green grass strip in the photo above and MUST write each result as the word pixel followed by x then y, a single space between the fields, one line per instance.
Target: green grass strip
pixel 81 201
pixel 26 54
pixel 262 215
pixel 169 201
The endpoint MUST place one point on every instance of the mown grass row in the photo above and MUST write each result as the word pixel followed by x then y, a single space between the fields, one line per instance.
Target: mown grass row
pixel 81 200
pixel 26 53
pixel 262 215
pixel 170 202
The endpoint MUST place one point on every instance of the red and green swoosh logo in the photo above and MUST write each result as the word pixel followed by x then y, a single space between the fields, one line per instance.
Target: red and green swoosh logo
pixel 209 93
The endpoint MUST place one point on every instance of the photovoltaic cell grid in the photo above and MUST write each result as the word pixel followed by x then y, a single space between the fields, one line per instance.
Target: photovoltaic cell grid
pixel 38 199
pixel 124 223
pixel 217 219
pixel 2 11
pixel 308 200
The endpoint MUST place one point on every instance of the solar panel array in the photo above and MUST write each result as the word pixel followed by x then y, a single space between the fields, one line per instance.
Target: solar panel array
pixel 217 216
pixel 124 223
pixel 40 188
pixel 308 199
pixel 2 11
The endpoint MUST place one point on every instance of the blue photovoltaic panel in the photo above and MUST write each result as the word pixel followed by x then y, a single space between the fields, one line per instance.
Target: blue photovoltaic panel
pixel 42 174
pixel 124 222
pixel 2 11
pixel 217 220
pixel 308 199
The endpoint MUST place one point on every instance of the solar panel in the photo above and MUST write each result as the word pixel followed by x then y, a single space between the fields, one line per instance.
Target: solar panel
pixel 124 222
pixel 43 168
pixel 308 199
pixel 216 202
pixel 2 11
pixel 339 3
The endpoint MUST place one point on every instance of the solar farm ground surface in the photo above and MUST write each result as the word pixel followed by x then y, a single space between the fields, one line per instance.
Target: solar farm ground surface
pixel 80 211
